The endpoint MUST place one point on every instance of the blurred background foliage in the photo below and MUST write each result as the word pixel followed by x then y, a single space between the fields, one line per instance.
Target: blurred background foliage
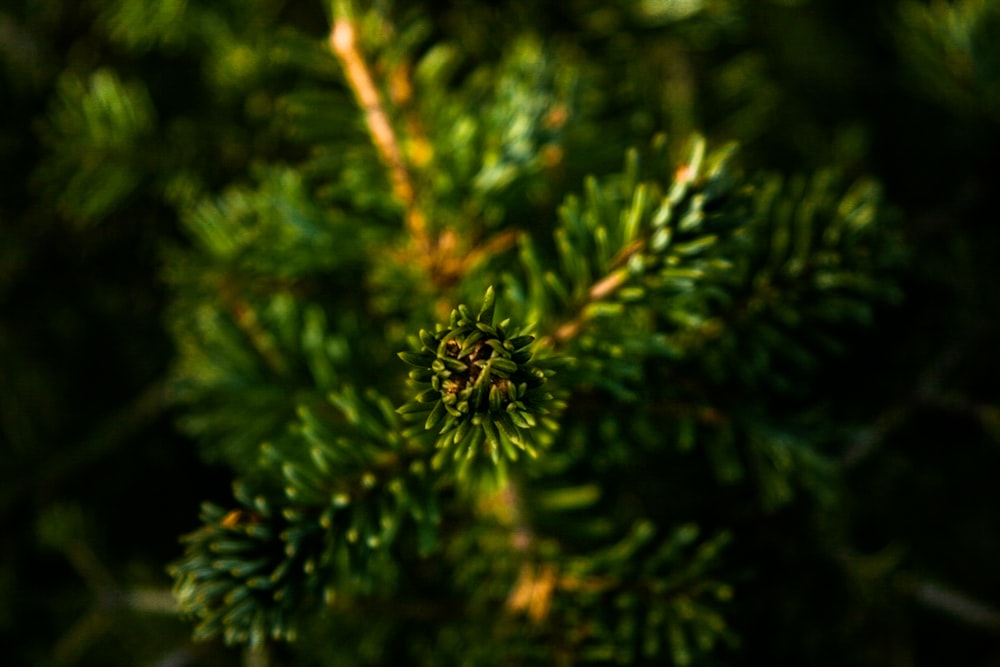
pixel 120 118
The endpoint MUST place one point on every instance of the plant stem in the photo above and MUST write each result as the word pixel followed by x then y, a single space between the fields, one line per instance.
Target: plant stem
pixel 343 42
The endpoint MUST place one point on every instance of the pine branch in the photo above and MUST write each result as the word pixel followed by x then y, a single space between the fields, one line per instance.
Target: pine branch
pixel 605 288
pixel 480 390
pixel 350 485
pixel 343 42
pixel 653 273
pixel 245 317
pixel 600 291
pixel 953 602
pixel 444 257
pixel 663 591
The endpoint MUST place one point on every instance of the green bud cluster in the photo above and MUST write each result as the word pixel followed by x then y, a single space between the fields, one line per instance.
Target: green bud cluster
pixel 478 387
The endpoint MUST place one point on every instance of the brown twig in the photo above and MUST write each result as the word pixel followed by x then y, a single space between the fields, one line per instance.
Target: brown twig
pixel 245 317
pixel 953 602
pixel 533 591
pixel 454 260
pixel 420 150
pixel 343 42
pixel 599 291
pixel 445 258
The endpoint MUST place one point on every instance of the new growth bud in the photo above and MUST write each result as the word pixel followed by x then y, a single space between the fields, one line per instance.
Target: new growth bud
pixel 477 384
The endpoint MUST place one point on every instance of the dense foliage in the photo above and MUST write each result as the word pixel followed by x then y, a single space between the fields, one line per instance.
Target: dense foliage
pixel 637 332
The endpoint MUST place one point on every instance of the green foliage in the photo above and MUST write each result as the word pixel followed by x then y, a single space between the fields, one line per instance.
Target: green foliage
pixel 692 404
pixel 954 53
pixel 283 355
pixel 250 229
pixel 485 157
pixel 100 127
pixel 815 258
pixel 142 25
pixel 664 599
pixel 682 281
pixel 350 484
pixel 631 242
pixel 479 387
pixel 683 261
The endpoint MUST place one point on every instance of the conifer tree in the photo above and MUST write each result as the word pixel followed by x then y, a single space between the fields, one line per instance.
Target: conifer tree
pixel 527 334
pixel 507 503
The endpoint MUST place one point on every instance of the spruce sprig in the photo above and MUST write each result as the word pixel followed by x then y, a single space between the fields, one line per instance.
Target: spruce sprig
pixel 479 387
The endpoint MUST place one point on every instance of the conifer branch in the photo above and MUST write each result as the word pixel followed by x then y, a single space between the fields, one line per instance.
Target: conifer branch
pixel 953 602
pixel 478 387
pixel 443 257
pixel 343 42
pixel 249 324
pixel 401 92
pixel 453 261
pixel 599 291
pixel 684 175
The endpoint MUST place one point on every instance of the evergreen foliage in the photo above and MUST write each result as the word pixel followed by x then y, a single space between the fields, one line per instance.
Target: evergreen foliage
pixel 536 333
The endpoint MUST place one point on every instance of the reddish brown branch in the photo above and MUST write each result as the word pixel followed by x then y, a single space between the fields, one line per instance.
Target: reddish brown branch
pixel 599 291
pixel 343 42
pixel 245 317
